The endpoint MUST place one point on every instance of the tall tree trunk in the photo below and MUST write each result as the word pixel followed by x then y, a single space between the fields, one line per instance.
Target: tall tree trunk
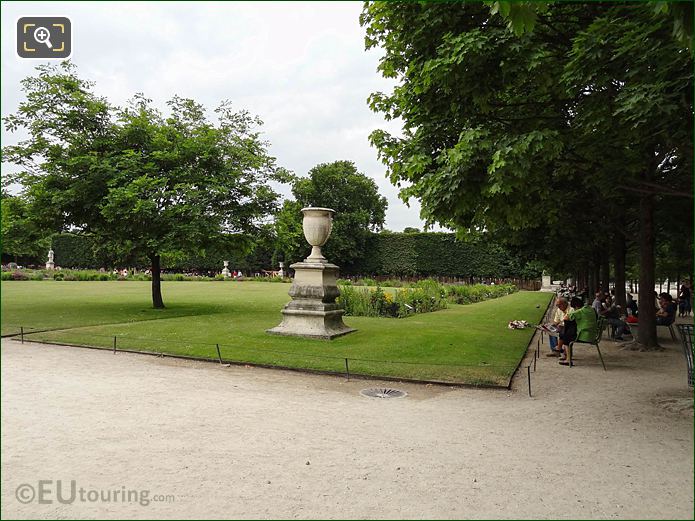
pixel 619 263
pixel 596 272
pixel 605 272
pixel 646 335
pixel 591 282
pixel 157 301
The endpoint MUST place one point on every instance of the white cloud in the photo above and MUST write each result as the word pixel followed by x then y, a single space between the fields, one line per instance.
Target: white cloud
pixel 300 66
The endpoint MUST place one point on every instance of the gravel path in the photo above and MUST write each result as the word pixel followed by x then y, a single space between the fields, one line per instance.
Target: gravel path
pixel 205 441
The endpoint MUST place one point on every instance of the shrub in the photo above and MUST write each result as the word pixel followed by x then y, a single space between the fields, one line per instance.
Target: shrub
pixel 366 282
pixel 467 294
pixel 367 302
pixel 424 296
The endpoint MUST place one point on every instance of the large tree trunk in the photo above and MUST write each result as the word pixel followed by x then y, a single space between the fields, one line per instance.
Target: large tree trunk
pixel 646 335
pixel 157 301
pixel 595 274
pixel 619 263
pixel 605 272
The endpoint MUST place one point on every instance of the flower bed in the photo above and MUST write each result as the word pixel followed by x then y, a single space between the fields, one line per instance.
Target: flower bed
pixel 421 297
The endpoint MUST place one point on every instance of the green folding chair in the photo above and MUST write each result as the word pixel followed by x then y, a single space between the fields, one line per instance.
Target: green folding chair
pixel 600 324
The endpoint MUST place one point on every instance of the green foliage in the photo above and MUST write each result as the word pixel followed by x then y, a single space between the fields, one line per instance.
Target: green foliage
pixel 423 296
pixel 359 208
pixel 435 254
pixel 82 251
pixel 22 235
pixel 372 301
pixel 394 254
pixel 565 130
pixel 478 292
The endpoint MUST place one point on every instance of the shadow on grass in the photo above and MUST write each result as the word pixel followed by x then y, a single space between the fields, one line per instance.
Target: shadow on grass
pixel 98 314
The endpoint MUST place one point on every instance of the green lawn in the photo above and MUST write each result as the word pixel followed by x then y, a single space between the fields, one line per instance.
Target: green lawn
pixel 465 344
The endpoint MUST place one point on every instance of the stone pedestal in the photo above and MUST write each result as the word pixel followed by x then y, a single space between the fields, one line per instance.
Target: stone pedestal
pixel 225 270
pixel 313 311
pixel 546 285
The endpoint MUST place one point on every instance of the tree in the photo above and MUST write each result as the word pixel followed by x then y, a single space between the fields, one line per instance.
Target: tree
pixel 140 182
pixel 410 229
pixel 355 198
pixel 550 132
pixel 21 235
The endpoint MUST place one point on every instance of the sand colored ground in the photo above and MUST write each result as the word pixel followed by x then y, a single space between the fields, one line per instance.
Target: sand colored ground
pixel 237 442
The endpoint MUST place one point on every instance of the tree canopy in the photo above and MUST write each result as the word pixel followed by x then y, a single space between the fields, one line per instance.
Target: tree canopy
pixel 560 135
pixel 355 198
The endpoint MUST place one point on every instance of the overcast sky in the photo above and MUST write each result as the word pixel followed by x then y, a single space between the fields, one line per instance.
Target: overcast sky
pixel 300 66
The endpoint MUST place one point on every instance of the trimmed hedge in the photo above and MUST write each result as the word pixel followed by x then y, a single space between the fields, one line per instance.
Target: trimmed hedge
pixel 435 254
pixel 81 251
pixel 387 254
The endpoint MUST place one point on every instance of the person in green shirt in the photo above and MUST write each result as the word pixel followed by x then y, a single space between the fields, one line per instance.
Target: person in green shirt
pixel 584 316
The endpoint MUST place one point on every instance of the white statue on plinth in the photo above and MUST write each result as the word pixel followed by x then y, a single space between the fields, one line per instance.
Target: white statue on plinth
pixel 50 265
pixel 281 273
pixel 225 270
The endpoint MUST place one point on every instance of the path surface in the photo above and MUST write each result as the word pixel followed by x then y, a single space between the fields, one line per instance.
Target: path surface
pixel 236 442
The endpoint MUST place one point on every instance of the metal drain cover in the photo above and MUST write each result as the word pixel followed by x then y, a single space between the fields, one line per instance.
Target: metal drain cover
pixel 383 392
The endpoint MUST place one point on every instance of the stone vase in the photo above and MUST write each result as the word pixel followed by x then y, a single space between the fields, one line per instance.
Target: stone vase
pixel 317 225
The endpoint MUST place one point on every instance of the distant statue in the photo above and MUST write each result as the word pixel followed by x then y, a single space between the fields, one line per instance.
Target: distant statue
pixel 50 265
pixel 281 273
pixel 225 270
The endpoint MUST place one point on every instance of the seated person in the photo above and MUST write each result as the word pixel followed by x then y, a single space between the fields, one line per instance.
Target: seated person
pixel 584 318
pixel 612 314
pixel 631 305
pixel 561 310
pixel 666 314
pixel 598 302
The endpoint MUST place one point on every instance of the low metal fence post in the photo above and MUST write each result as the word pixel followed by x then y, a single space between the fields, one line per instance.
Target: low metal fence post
pixel 114 344
pixel 21 333
pixel 219 355
pixel 347 369
pixel 528 373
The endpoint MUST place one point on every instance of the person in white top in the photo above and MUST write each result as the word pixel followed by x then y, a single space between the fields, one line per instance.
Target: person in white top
pixel 562 309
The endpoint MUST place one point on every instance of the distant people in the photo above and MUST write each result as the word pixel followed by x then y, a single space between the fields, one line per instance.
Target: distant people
pixel 666 314
pixel 584 319
pixel 684 305
pixel 597 304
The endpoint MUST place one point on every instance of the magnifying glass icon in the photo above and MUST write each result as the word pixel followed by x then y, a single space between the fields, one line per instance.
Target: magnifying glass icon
pixel 43 35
